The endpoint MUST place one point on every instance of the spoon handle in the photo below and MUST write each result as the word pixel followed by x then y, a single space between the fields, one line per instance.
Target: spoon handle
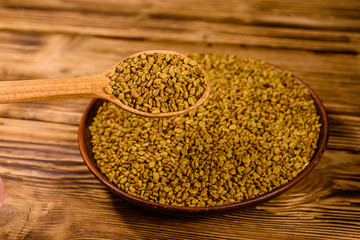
pixel 50 89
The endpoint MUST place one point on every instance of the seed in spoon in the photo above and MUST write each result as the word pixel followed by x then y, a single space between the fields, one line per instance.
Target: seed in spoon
pixel 158 82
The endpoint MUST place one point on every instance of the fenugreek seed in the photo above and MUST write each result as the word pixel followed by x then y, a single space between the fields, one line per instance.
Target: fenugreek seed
pixel 156 176
pixel 149 83
pixel 191 101
pixel 193 191
pixel 152 164
pixel 135 94
pixel 156 92
pixel 163 75
pixel 139 101
pixel 155 111
pixel 123 180
pixel 277 151
pixel 276 170
pixel 297 165
pixel 172 72
pixel 108 90
pixel 232 127
pixel 177 188
pixel 162 200
pixel 114 77
pixel 192 63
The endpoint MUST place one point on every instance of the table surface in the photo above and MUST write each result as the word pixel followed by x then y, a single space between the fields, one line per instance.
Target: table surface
pixel 50 193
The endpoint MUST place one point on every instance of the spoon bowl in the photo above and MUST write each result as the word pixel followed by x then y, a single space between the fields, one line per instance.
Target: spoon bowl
pixel 112 98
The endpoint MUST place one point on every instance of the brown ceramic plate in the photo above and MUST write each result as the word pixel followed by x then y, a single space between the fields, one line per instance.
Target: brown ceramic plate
pixel 85 150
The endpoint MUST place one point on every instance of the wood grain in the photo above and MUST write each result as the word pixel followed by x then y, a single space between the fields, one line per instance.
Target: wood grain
pixel 184 30
pixel 319 14
pixel 50 194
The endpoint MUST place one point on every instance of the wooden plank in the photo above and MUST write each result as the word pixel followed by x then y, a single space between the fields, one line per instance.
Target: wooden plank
pixel 38 132
pixel 314 209
pixel 341 15
pixel 58 111
pixel 134 27
pixel 105 52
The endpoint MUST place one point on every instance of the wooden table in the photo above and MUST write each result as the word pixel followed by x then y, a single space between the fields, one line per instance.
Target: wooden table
pixel 50 193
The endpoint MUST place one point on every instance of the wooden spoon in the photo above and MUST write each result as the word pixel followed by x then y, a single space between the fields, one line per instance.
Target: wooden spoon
pixel 81 87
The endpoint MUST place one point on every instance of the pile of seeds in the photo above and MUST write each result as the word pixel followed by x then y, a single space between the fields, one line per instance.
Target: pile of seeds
pixel 158 83
pixel 258 130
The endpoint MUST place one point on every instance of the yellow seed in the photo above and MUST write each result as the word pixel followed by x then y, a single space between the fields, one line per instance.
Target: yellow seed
pixel 155 111
pixel 135 94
